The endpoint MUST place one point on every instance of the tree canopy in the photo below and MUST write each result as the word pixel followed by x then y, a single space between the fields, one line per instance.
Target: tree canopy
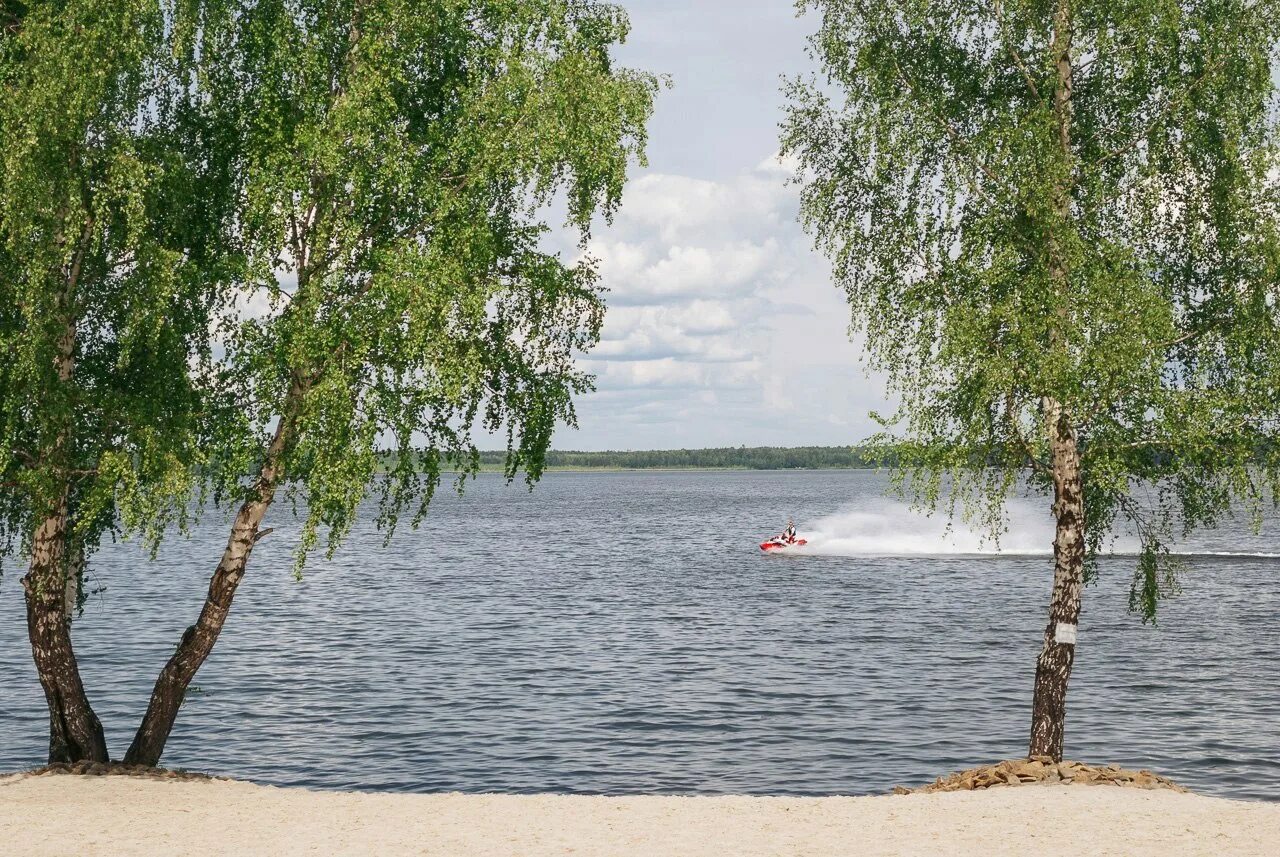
pixel 106 300
pixel 1074 203
pixel 103 311
pixel 393 166
pixel 247 244
pixel 396 159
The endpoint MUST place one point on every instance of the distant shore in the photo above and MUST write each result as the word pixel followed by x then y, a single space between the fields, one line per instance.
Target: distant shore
pixel 58 815
pixel 710 459
pixel 612 469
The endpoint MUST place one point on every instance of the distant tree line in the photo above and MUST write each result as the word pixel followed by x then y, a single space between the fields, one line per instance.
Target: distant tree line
pixel 865 457
pixel 720 458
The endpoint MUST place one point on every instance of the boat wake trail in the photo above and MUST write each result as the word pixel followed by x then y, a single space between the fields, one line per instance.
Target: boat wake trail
pixel 894 529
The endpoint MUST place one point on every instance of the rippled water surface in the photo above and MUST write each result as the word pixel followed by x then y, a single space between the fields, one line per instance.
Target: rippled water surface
pixel 621 633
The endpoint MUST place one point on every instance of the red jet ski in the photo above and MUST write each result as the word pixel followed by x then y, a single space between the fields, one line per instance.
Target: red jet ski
pixel 777 543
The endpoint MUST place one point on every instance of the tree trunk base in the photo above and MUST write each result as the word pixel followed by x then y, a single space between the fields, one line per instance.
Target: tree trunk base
pixel 75 733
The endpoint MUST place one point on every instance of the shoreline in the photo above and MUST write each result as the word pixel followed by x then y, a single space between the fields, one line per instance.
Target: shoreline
pixel 130 815
pixel 605 469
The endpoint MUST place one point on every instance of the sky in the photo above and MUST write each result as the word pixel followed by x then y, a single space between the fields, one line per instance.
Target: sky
pixel 723 327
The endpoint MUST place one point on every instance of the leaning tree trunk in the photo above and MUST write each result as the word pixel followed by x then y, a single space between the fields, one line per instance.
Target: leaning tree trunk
pixel 1053 668
pixel 75 734
pixel 198 640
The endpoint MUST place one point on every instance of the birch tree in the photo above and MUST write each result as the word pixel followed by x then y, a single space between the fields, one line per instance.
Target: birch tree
pixel 1055 221
pixel 103 311
pixel 396 160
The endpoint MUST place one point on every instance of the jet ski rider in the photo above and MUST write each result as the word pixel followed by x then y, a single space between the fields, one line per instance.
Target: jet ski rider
pixel 789 534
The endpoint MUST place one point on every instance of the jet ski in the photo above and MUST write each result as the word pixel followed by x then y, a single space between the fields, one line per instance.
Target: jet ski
pixel 777 543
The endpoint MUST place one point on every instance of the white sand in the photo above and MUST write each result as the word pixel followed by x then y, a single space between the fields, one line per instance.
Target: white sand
pixel 73 815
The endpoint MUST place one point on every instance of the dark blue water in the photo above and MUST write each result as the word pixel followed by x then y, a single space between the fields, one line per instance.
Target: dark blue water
pixel 621 633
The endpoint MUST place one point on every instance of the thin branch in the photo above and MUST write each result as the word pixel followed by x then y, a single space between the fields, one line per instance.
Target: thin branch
pixel 123 261
pixel 1037 464
pixel 77 260
pixel 1140 521
pixel 1013 51
pixel 954 134
pixel 1171 105
pixel 274 287
pixel 1186 337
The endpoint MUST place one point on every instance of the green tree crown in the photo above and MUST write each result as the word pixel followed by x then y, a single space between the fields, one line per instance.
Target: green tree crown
pixel 395 164
pixel 939 179
pixel 104 311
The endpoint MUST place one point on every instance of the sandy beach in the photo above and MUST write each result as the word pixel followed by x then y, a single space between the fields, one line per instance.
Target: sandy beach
pixel 63 815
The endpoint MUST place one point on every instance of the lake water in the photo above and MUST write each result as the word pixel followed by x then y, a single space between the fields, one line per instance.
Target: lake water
pixel 622 633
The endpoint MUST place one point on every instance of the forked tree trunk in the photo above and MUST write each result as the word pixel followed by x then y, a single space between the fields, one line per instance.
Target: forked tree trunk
pixel 1053 667
pixel 75 734
pixel 198 640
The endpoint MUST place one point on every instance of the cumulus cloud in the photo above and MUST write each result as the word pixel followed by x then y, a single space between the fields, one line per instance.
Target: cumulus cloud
pixel 639 275
pixel 699 380
pixel 723 327
pixel 672 207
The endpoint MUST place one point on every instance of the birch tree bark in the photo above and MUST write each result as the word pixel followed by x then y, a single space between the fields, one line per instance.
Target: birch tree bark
pixel 75 733
pixel 199 639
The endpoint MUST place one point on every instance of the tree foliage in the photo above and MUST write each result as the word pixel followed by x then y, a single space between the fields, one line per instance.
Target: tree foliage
pixel 395 161
pixel 941 182
pixel 103 309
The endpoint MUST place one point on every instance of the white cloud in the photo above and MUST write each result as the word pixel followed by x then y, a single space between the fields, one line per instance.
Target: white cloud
pixel 723 327
pixel 777 164
pixel 698 331
pixel 676 373
pixel 673 206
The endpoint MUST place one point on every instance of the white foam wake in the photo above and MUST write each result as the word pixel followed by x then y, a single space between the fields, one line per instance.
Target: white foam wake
pixel 894 529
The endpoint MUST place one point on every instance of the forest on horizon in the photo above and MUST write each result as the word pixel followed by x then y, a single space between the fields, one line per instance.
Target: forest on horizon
pixel 720 458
